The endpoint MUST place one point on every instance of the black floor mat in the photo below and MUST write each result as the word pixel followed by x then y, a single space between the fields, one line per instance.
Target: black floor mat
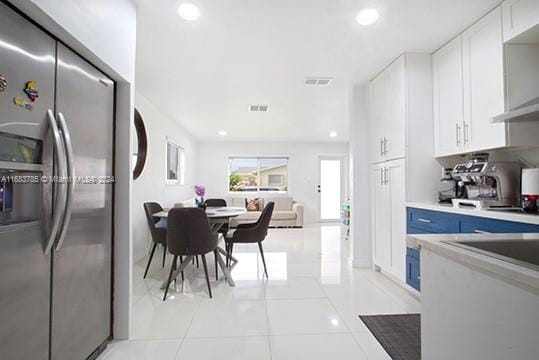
pixel 399 335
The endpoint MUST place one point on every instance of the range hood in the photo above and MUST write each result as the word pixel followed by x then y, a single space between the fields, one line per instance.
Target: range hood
pixel 528 111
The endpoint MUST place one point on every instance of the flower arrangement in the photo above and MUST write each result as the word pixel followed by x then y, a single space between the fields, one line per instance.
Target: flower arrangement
pixel 200 191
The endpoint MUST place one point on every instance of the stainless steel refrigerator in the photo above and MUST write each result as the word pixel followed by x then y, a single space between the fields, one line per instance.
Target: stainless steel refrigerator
pixel 56 120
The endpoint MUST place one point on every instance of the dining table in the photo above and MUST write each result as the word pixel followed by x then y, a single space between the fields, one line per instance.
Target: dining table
pixel 217 217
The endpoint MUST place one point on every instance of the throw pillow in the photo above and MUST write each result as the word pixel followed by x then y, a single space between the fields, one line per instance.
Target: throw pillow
pixel 254 204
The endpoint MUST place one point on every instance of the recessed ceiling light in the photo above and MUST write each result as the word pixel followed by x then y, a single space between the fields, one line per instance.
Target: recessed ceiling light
pixel 367 16
pixel 333 134
pixel 222 132
pixel 189 12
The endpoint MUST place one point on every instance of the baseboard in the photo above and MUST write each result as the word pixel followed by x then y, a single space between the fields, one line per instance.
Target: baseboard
pixel 416 294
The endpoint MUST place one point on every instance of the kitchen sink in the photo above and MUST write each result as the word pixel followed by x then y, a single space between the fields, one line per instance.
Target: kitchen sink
pixel 519 252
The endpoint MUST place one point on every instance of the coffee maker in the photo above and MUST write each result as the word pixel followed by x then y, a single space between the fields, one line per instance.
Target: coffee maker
pixel 449 188
pixel 487 184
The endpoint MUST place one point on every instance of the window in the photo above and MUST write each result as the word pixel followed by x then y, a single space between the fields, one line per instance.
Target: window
pixel 275 180
pixel 257 174
pixel 175 164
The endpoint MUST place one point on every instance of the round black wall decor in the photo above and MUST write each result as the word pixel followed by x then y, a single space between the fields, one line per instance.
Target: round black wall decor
pixel 142 146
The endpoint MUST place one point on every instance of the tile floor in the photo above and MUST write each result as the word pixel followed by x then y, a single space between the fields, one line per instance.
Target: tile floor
pixel 308 308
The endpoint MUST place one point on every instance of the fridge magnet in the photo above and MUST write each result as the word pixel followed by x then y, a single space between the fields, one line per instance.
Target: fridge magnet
pixel 3 83
pixel 22 103
pixel 31 90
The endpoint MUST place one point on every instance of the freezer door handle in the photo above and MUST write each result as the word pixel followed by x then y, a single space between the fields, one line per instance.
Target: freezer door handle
pixel 60 195
pixel 70 165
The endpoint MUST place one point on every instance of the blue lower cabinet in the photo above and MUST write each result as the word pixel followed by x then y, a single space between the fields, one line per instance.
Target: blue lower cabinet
pixel 421 221
pixel 474 224
pixel 413 277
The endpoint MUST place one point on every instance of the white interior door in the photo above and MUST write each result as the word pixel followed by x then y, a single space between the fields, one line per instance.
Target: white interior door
pixel 330 187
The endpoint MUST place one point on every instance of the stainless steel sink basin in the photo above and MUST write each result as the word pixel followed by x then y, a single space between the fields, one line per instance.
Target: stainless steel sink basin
pixel 519 252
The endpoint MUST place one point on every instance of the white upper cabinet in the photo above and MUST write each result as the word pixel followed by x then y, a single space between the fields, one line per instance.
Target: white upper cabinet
pixel 482 55
pixel 394 145
pixel 379 117
pixel 518 17
pixel 388 92
pixel 469 90
pixel 448 98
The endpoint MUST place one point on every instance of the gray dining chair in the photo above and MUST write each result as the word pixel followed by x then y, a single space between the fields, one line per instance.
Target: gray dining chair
pixel 189 234
pixel 157 233
pixel 216 203
pixel 224 227
pixel 252 233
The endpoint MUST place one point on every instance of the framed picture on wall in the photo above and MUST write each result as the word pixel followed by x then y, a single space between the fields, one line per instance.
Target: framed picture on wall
pixel 175 165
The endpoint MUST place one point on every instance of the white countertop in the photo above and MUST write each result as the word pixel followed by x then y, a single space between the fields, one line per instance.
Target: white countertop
pixel 518 275
pixel 498 215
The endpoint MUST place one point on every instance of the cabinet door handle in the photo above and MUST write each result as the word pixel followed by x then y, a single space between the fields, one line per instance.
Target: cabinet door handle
pixel 427 221
pixel 481 232
pixel 381 147
pixel 385 145
pixel 381 176
pixel 386 175
pixel 458 133
pixel 465 133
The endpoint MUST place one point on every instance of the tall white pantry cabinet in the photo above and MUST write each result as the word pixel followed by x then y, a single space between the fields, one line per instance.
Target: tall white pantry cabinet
pixel 402 154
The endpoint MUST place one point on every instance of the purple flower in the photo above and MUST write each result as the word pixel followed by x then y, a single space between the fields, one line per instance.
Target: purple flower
pixel 200 190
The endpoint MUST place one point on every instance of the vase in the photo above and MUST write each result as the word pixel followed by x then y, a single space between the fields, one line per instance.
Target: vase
pixel 201 203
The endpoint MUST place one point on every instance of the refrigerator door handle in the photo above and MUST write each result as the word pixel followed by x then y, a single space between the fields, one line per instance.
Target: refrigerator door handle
pixel 60 196
pixel 70 180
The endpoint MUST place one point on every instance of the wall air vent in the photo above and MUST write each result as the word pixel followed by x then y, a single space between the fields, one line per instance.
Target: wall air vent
pixel 258 108
pixel 315 81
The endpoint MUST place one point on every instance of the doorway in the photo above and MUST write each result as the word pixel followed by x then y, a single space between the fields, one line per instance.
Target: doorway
pixel 330 187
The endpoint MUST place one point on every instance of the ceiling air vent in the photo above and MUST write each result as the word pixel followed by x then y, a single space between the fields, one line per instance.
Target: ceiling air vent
pixel 258 108
pixel 314 81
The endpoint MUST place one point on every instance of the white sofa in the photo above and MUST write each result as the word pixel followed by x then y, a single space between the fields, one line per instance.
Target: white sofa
pixel 286 213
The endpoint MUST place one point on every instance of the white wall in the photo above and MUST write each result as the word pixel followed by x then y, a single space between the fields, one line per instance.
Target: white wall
pixel 104 33
pixel 302 167
pixel 360 222
pixel 150 186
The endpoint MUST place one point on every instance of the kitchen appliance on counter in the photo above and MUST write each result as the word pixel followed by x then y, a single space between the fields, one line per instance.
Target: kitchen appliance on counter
pixel 487 184
pixel 56 126
pixel 530 190
pixel 449 188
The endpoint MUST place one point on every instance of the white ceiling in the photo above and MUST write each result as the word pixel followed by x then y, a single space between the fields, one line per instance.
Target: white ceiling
pixel 240 52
